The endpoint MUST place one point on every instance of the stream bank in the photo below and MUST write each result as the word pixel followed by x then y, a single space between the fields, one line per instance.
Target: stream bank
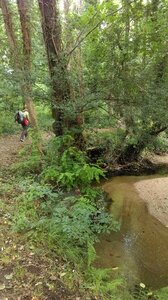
pixel 153 191
pixel 139 250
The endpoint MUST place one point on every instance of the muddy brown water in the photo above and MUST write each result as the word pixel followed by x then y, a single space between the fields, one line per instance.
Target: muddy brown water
pixel 140 248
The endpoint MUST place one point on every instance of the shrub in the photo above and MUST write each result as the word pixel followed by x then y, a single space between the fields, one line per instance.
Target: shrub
pixel 30 161
pixel 159 145
pixel 7 123
pixel 44 117
pixel 68 221
pixel 70 169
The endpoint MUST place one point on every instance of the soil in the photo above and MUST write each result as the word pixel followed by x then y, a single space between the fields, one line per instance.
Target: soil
pixel 26 272
pixel 9 147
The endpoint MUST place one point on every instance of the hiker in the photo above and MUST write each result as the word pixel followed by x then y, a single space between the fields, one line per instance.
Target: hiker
pixel 22 117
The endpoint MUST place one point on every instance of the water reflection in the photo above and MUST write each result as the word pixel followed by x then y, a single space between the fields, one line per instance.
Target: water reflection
pixel 140 248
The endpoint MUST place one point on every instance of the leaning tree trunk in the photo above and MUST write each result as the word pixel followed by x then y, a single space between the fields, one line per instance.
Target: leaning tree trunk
pixel 15 57
pixel 57 63
pixel 10 32
pixel 23 8
pixel 132 152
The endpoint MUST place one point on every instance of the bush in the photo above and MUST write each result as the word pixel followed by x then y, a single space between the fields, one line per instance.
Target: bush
pixel 70 169
pixel 44 117
pixel 7 123
pixel 30 161
pixel 66 221
pixel 59 208
pixel 160 144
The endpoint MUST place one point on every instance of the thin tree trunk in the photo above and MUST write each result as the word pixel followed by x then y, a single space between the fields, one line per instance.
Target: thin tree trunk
pixel 10 32
pixel 23 8
pixel 77 57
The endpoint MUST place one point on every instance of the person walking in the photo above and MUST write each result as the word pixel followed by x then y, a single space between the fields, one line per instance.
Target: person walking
pixel 22 117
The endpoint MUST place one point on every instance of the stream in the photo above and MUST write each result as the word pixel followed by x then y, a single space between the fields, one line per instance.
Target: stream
pixel 140 249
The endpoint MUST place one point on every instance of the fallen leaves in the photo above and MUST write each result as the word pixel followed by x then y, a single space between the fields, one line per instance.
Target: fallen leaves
pixel 8 276
pixel 62 274
pixel 53 278
pixel 2 287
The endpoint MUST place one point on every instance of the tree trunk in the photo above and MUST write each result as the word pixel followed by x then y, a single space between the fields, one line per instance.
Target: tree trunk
pixel 132 152
pixel 76 57
pixel 23 69
pixel 23 8
pixel 56 60
pixel 57 63
pixel 10 32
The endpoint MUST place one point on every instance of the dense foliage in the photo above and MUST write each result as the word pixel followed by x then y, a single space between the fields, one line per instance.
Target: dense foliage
pixel 60 209
pixel 116 60
pixel 96 73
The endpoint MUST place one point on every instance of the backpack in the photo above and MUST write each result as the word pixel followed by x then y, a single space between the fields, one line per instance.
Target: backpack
pixel 19 117
pixel 25 122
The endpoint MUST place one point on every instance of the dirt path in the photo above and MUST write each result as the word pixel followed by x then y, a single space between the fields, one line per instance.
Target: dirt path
pixel 9 147
pixel 26 273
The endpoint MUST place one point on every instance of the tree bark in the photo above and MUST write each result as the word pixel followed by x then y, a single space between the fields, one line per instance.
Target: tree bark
pixel 56 60
pixel 23 8
pixel 76 57
pixel 132 152
pixel 58 68
pixel 10 32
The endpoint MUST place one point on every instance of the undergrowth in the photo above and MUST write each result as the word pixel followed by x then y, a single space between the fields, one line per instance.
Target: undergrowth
pixel 61 210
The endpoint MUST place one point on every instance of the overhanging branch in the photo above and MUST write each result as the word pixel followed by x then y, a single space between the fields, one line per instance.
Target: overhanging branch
pixel 78 42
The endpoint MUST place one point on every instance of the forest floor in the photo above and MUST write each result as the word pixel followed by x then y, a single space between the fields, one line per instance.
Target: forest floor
pixel 26 273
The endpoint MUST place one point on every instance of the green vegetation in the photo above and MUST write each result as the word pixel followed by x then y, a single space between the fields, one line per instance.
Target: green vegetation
pixel 117 74
pixel 94 76
pixel 60 201
pixel 60 210
pixel 162 294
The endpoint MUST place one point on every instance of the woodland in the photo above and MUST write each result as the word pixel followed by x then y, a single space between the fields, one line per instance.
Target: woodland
pixel 94 76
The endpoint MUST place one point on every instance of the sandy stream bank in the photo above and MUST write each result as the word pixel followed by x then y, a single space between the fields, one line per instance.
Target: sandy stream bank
pixel 155 193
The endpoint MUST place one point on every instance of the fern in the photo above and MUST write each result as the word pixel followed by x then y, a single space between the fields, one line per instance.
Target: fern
pixel 91 253
pixel 101 281
pixel 69 170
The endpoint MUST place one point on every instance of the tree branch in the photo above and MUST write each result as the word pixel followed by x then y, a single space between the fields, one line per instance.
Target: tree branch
pixel 92 29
